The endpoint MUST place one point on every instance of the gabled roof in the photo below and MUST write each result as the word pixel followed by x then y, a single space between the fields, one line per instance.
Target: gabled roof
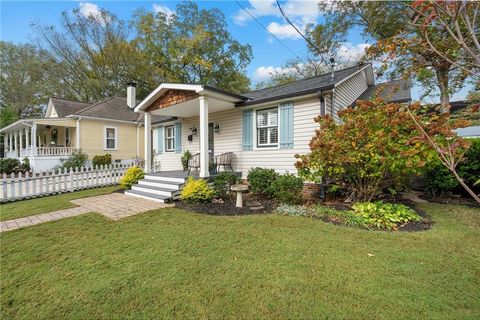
pixel 111 108
pixel 65 107
pixel 394 91
pixel 301 87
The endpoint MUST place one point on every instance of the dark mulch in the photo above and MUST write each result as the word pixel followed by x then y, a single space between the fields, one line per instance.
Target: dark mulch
pixel 455 199
pixel 422 225
pixel 228 208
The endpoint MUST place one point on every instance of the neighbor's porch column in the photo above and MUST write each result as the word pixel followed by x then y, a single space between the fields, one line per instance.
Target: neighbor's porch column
pixel 204 172
pixel 77 134
pixel 10 141
pixel 15 141
pixel 148 141
pixel 33 151
pixel 27 137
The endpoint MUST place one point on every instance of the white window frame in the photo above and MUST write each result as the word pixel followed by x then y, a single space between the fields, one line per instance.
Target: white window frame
pixel 166 138
pixel 256 145
pixel 105 138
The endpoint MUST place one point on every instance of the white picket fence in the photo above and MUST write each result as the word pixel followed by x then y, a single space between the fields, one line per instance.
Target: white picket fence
pixel 32 185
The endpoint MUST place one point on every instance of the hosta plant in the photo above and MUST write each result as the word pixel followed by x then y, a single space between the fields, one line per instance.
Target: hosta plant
pixel 384 215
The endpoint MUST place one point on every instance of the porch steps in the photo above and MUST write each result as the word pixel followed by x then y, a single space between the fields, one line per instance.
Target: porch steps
pixel 157 187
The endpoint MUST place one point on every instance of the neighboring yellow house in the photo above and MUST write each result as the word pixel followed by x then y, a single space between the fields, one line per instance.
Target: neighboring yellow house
pixel 108 126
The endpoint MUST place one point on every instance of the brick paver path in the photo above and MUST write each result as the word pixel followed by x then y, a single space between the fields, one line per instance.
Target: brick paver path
pixel 114 206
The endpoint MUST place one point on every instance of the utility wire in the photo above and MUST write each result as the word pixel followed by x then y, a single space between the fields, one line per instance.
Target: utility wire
pixel 301 34
pixel 266 29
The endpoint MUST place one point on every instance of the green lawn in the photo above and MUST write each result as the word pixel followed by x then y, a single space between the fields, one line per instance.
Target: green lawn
pixel 170 263
pixel 48 204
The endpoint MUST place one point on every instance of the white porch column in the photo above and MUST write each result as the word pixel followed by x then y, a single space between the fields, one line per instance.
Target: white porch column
pixel 204 172
pixel 10 142
pixel 77 134
pixel 148 141
pixel 15 142
pixel 34 140
pixel 27 137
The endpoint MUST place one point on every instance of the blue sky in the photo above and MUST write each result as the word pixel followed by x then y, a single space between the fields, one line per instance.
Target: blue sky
pixel 17 16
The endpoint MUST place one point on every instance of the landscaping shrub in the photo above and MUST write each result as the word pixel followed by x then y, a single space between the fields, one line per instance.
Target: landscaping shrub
pixel 26 164
pixel 8 165
pixel 222 183
pixel 469 168
pixel 261 179
pixel 76 160
pixel 345 217
pixel 370 150
pixel 287 188
pixel 439 180
pixel 132 176
pixel 295 211
pixel 185 158
pixel 384 215
pixel 197 191
pixel 102 160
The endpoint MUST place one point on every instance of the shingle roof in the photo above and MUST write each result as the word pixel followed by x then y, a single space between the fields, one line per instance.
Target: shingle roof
pixel 394 91
pixel 65 107
pixel 299 87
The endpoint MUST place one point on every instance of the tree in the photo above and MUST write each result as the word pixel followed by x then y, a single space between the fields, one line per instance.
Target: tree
pixel 193 46
pixel 22 82
pixel 92 57
pixel 366 152
pixel 398 43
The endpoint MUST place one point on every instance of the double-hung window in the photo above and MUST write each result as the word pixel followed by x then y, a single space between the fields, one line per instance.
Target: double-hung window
pixel 110 138
pixel 170 138
pixel 267 127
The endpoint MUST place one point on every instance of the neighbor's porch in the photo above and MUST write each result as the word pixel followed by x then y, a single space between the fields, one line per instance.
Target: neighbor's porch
pixel 38 138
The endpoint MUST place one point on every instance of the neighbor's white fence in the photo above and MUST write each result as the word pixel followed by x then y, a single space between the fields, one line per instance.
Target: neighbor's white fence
pixel 31 185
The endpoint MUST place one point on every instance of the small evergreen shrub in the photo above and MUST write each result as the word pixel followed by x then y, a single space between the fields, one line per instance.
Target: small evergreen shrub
pixel 440 180
pixel 295 211
pixel 261 180
pixel 76 160
pixel 132 176
pixel 469 168
pixel 26 164
pixel 222 183
pixel 384 215
pixel 8 165
pixel 102 160
pixel 197 191
pixel 287 188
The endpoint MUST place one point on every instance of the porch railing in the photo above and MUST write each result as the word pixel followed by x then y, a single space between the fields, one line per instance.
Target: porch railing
pixel 55 151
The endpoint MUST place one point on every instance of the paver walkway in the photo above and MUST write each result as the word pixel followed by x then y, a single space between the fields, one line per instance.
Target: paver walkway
pixel 114 206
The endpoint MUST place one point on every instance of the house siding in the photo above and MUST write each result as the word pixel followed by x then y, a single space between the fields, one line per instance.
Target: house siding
pixel 347 92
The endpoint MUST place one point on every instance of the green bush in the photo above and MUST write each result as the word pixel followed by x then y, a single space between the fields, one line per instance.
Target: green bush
pixel 7 165
pixel 185 158
pixel 261 180
pixel 132 176
pixel 469 168
pixel 76 160
pixel 345 217
pixel 102 160
pixel 26 164
pixel 287 188
pixel 384 215
pixel 440 180
pixel 197 191
pixel 222 183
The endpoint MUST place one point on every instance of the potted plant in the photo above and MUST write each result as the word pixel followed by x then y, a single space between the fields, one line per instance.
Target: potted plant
pixel 185 158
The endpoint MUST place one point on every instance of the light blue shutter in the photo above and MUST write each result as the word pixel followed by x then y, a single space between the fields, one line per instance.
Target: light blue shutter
pixel 247 130
pixel 160 140
pixel 178 137
pixel 286 125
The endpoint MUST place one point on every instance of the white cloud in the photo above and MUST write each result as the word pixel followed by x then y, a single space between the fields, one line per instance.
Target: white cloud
pixel 88 10
pixel 283 31
pixel 166 10
pixel 351 53
pixel 265 72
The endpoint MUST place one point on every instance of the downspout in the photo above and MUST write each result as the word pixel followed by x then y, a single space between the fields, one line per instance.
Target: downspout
pixel 332 103
pixel 323 112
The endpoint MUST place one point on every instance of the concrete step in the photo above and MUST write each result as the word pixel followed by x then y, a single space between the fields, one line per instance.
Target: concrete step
pixel 170 192
pixel 147 195
pixel 161 184
pixel 164 178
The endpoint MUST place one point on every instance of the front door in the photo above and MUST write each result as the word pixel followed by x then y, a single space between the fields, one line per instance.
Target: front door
pixel 210 138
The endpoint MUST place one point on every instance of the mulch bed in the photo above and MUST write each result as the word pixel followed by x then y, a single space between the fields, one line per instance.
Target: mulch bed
pixel 425 224
pixel 452 199
pixel 228 208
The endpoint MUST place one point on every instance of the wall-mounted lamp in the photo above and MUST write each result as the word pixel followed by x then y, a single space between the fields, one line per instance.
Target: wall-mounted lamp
pixel 216 128
pixel 193 130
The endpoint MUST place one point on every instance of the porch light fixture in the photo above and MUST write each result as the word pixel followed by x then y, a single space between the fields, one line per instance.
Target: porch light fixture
pixel 193 130
pixel 216 128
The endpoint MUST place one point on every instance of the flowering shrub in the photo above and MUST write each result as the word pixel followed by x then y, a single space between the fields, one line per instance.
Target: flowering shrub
pixel 132 176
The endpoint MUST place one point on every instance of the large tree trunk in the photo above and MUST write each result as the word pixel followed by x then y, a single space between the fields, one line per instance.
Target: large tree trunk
pixel 442 77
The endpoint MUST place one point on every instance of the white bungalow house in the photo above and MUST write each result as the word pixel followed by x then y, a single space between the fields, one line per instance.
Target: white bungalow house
pixel 263 128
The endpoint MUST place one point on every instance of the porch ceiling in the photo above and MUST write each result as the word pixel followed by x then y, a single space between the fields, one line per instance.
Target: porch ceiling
pixel 191 108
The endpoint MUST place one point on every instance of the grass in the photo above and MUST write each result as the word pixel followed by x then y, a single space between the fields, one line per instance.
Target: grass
pixel 25 208
pixel 171 263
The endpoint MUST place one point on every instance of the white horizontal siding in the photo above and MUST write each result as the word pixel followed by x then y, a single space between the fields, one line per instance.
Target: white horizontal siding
pixel 347 92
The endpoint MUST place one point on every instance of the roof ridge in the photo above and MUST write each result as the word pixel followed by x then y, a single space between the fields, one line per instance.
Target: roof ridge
pixel 304 79
pixel 93 105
